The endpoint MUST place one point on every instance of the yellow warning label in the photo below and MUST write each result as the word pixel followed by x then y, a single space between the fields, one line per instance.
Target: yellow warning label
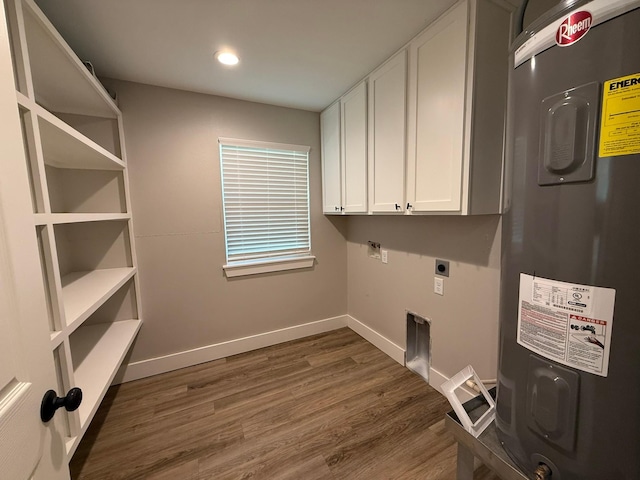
pixel 620 127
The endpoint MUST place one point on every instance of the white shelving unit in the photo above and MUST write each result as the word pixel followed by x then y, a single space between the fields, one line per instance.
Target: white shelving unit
pixel 81 208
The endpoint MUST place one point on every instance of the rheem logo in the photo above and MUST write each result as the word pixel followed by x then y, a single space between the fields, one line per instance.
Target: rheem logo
pixel 573 28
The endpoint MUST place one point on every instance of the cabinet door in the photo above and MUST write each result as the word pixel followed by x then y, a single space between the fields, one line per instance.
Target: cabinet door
pixel 438 65
pixel 354 149
pixel 387 113
pixel 331 174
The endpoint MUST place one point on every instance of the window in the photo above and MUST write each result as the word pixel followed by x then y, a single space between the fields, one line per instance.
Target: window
pixel 265 193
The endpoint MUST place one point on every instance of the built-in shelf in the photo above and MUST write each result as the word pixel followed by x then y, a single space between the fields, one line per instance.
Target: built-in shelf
pixel 60 218
pixel 61 81
pixel 73 137
pixel 84 292
pixel 64 147
pixel 97 352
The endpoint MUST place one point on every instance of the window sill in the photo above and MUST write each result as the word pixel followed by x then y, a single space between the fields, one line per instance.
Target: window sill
pixel 268 266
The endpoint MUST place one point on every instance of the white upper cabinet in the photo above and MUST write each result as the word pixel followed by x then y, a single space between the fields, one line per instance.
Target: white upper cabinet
pixel 354 149
pixel 331 165
pixel 427 136
pixel 387 140
pixel 457 75
pixel 438 62
pixel 343 128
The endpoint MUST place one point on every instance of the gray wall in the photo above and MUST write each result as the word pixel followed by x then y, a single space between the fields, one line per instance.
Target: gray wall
pixel 174 175
pixel 464 322
pixel 171 141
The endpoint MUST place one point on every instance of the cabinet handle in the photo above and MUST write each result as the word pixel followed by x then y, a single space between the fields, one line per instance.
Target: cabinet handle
pixel 342 209
pixel 409 206
pixel 337 209
pixel 398 207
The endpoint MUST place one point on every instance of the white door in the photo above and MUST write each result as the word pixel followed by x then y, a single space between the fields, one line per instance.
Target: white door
pixel 28 448
pixel 354 149
pixel 387 113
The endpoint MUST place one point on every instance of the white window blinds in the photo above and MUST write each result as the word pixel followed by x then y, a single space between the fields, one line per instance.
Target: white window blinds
pixel 265 189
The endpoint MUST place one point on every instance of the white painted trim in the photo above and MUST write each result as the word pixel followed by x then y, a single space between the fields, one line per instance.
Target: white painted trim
pixel 187 358
pixel 376 339
pixel 240 142
pixel 268 265
pixel 436 379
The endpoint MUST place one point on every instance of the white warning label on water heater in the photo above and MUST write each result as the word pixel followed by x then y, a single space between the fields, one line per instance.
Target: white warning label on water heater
pixel 566 322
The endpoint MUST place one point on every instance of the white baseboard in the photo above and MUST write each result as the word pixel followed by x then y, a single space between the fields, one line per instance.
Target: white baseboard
pixel 436 379
pixel 175 361
pixel 373 337
pixel 167 363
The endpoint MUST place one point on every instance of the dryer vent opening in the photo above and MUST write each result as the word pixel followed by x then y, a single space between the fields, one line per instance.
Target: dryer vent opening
pixel 418 354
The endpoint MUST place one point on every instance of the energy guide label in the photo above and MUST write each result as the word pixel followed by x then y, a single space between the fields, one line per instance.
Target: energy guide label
pixel 620 123
pixel 566 322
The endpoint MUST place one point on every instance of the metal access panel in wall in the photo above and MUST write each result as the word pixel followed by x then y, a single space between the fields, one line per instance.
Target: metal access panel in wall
pixel 418 354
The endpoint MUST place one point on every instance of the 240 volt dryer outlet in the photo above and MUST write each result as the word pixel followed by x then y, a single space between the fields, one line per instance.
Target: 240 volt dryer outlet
pixel 442 268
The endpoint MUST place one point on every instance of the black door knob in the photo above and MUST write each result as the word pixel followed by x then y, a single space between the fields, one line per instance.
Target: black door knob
pixel 52 402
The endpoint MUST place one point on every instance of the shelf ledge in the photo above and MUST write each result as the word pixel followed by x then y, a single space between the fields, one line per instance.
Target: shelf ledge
pixel 84 292
pixel 65 147
pixel 60 218
pixel 97 352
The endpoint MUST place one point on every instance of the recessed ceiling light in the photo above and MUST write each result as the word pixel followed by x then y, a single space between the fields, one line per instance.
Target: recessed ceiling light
pixel 227 58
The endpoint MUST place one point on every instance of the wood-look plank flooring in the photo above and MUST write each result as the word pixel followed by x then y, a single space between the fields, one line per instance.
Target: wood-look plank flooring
pixel 330 406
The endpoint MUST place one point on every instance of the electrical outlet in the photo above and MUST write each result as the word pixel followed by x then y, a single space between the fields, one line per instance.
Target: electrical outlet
pixel 385 256
pixel 438 286
pixel 442 267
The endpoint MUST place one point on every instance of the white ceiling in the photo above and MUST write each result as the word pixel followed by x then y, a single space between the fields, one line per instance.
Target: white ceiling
pixel 294 53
